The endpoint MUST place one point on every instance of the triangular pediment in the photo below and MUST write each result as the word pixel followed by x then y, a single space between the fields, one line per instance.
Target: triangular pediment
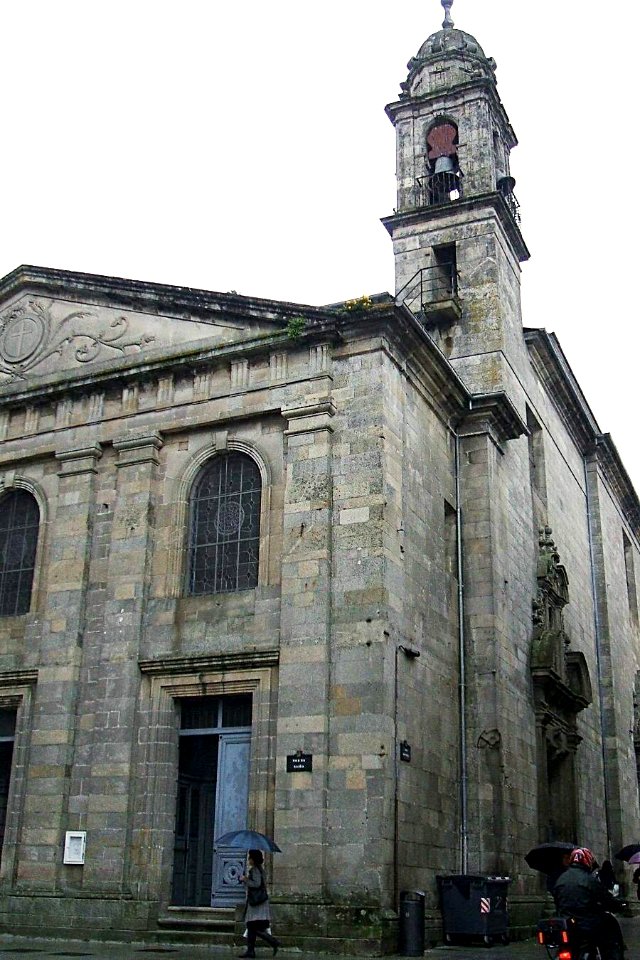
pixel 54 321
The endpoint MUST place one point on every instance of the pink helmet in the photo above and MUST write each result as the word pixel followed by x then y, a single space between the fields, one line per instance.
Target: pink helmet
pixel 583 857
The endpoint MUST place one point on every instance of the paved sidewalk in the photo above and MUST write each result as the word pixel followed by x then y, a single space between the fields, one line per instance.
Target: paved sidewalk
pixel 30 948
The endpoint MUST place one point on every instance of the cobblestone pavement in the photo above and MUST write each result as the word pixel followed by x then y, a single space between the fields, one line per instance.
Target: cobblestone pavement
pixel 23 948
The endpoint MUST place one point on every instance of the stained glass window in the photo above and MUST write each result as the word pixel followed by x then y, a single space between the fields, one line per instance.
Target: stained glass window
pixel 225 526
pixel 19 520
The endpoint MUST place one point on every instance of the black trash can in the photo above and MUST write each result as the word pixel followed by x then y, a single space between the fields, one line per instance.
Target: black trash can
pixel 411 925
pixel 474 906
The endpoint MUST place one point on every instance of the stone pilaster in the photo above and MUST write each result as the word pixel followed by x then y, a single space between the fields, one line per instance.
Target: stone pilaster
pixel 111 675
pixel 483 436
pixel 301 798
pixel 54 714
pixel 612 736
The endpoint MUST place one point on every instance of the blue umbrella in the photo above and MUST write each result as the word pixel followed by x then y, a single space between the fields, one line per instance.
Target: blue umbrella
pixel 248 840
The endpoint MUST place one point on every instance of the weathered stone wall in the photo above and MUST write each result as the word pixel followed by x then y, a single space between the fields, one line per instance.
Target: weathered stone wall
pixel 420 572
pixel 355 440
pixel 619 644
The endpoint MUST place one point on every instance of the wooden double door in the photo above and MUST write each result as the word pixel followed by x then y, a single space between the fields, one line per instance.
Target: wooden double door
pixel 212 799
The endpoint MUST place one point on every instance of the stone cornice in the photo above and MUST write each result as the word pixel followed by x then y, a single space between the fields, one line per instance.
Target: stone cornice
pixel 465 206
pixel 155 363
pixel 16 678
pixel 555 374
pixel 74 460
pixel 413 349
pixel 619 480
pixel 309 418
pixel 154 298
pixel 494 414
pixel 218 663
pixel 409 106
pixel 138 448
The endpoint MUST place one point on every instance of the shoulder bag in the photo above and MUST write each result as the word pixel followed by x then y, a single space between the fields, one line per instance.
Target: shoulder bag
pixel 257 895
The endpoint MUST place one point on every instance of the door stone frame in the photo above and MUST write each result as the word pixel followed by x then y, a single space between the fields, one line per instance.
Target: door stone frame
pixel 164 682
pixel 17 692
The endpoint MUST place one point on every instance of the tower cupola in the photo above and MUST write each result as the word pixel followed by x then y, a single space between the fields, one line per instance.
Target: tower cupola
pixel 463 53
pixel 454 136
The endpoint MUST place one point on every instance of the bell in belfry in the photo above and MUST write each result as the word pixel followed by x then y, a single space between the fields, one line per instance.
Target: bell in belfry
pixel 444 182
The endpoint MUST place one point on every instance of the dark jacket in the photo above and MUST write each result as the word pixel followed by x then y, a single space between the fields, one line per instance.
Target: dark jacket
pixel 578 893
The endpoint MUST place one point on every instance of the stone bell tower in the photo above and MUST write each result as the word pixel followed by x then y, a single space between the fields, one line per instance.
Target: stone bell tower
pixel 458 249
pixel 456 229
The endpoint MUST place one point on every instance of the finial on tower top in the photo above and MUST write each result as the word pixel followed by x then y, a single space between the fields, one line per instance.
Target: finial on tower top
pixel 448 22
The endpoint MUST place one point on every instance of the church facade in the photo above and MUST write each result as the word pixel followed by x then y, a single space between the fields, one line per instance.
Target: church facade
pixel 363 577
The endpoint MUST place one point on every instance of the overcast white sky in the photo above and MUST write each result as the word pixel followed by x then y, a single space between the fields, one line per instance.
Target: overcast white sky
pixel 243 145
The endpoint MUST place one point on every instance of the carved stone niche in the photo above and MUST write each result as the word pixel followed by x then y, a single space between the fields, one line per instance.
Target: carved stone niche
pixel 561 688
pixel 560 676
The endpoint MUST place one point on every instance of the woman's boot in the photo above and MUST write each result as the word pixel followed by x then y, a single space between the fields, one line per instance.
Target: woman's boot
pixel 270 940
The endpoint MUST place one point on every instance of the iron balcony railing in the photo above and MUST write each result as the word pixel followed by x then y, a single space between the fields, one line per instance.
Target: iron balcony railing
pixel 432 294
pixel 446 187
pixel 505 187
pixel 437 188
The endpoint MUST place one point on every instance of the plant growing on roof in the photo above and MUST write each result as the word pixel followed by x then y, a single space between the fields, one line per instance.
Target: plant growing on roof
pixel 360 303
pixel 295 326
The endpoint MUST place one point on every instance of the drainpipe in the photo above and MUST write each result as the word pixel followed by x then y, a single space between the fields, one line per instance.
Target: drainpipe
pixel 411 654
pixel 598 645
pixel 396 829
pixel 462 676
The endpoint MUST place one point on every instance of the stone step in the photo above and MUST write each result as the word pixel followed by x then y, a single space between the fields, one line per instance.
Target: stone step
pixel 189 924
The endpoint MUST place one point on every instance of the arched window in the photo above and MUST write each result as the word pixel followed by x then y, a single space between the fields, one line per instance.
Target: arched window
pixel 225 526
pixel 19 521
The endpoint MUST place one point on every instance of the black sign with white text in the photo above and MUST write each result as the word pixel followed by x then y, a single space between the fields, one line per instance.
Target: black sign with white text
pixel 299 762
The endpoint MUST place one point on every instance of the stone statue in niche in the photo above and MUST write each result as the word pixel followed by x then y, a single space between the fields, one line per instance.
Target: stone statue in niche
pixel 561 676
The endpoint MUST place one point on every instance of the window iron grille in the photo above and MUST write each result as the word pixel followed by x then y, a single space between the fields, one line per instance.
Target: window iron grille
pixel 225 526
pixel 19 522
pixel 202 713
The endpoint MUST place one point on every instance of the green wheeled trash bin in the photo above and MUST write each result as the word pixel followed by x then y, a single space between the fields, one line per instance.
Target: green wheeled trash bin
pixel 411 924
pixel 474 907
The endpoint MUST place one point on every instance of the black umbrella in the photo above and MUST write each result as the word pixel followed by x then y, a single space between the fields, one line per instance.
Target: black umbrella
pixel 248 840
pixel 547 857
pixel 627 851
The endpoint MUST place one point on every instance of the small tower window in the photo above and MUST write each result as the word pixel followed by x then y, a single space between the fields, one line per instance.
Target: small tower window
pixel 445 268
pixel 444 178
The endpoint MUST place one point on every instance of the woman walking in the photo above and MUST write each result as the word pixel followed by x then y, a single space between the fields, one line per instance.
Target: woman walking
pixel 256 913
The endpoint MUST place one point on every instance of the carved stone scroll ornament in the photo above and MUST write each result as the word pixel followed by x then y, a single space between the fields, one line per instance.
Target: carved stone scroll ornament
pixel 29 335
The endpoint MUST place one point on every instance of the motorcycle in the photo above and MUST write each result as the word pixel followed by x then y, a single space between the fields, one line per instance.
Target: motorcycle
pixel 564 940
